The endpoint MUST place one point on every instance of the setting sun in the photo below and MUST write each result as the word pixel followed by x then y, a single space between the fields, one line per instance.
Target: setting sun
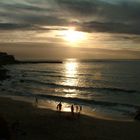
pixel 73 36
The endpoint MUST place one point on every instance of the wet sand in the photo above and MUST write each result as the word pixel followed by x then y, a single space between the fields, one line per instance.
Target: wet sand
pixel 24 121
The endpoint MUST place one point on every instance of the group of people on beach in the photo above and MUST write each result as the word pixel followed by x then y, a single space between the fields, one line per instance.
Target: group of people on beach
pixel 76 108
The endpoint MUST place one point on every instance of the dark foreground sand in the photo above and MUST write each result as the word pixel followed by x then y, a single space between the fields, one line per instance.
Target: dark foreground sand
pixel 23 121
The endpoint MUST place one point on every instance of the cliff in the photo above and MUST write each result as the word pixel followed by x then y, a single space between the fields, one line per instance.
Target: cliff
pixel 6 59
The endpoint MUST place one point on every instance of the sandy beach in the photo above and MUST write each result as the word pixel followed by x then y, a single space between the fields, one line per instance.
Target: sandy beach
pixel 23 121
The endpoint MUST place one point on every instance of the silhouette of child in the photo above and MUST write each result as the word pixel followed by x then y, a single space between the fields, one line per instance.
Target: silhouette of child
pixel 72 109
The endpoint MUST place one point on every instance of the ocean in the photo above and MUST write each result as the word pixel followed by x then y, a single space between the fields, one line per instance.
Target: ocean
pixel 109 88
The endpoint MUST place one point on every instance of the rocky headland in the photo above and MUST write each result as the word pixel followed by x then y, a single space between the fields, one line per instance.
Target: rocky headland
pixel 4 60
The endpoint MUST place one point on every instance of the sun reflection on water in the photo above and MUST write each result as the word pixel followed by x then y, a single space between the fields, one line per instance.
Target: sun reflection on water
pixel 71 78
pixel 71 71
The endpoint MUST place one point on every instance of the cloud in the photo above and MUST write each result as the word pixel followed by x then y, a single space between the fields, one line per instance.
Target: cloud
pixel 79 7
pixel 89 15
pixel 104 16
pixel 103 10
pixel 110 27
pixel 13 26
pixel 30 13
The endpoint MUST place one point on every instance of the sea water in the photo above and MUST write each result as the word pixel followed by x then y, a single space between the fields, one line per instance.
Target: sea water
pixel 107 87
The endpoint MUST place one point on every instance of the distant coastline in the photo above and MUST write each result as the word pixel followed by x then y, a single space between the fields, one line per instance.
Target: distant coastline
pixel 10 59
pixel 6 59
pixel 35 62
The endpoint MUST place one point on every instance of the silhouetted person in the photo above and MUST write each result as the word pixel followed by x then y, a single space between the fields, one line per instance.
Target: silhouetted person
pixel 36 101
pixel 80 109
pixel 59 106
pixel 72 109
pixel 77 108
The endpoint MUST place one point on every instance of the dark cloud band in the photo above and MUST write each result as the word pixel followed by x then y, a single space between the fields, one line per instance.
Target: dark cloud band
pixel 92 15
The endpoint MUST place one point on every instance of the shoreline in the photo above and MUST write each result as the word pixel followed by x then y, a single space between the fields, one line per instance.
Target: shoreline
pixel 25 121
pixel 86 110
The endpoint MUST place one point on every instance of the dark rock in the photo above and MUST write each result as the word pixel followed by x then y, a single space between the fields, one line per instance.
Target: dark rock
pixel 137 117
pixel 21 81
pixel 6 59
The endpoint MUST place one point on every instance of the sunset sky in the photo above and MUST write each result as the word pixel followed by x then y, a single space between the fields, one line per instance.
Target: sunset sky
pixel 58 29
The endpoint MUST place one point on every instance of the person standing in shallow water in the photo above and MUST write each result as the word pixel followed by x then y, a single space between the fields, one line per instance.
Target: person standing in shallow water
pixel 80 109
pixel 36 101
pixel 77 108
pixel 59 106
pixel 72 109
